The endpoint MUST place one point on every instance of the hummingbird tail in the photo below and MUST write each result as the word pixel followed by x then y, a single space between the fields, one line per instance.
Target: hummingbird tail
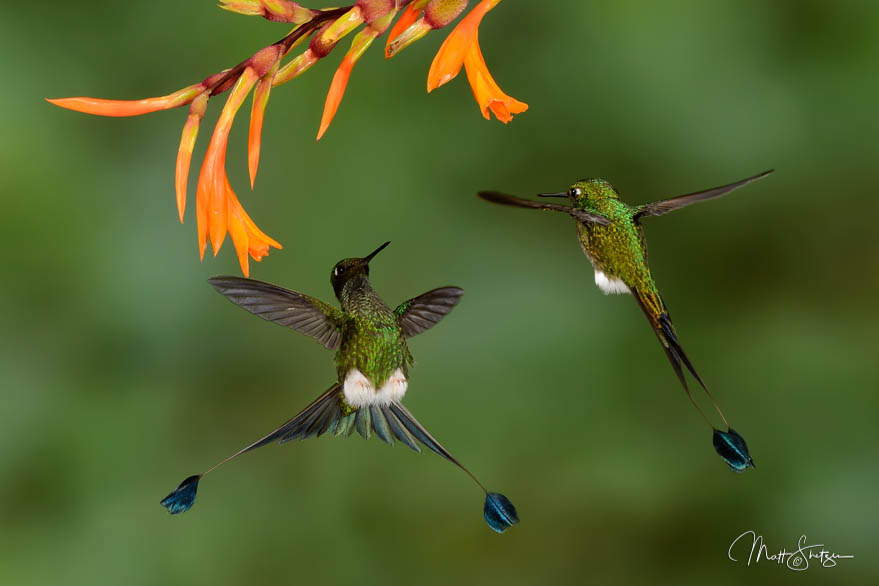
pixel 330 413
pixel 729 445
pixel 498 511
pixel 315 419
pixel 659 318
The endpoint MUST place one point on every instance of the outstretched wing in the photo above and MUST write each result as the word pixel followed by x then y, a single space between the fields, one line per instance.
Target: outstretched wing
pixel 424 311
pixel 510 200
pixel 658 208
pixel 305 314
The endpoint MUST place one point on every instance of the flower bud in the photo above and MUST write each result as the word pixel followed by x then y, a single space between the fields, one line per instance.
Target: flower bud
pixel 274 10
pixel 439 13
pixel 374 9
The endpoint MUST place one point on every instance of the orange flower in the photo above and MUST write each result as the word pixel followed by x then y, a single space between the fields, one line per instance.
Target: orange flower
pixel 488 94
pixel 184 152
pixel 129 107
pixel 246 236
pixel 217 208
pixel 461 48
pixel 257 116
pixel 359 45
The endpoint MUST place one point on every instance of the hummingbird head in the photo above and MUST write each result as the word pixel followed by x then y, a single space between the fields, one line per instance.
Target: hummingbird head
pixel 352 271
pixel 586 191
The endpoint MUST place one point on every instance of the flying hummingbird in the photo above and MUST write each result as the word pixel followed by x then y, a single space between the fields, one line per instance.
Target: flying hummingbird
pixel 372 367
pixel 611 236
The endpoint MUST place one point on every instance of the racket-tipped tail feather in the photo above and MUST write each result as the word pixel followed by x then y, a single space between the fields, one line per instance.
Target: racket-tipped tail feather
pixel 731 447
pixel 499 512
pixel 182 498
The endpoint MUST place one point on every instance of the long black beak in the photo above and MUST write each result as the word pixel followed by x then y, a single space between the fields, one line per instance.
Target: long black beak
pixel 563 194
pixel 370 256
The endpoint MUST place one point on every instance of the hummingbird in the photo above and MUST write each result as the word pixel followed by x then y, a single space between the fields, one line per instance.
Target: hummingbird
pixel 612 238
pixel 372 367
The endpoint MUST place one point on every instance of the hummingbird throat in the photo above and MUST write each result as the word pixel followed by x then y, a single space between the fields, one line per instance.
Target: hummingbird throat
pixel 360 392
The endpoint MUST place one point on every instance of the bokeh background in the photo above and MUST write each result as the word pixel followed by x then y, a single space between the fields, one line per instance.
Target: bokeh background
pixel 123 371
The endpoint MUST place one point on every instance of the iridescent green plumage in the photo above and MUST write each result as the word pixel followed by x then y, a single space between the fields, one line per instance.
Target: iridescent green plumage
pixel 372 366
pixel 610 234
pixel 372 340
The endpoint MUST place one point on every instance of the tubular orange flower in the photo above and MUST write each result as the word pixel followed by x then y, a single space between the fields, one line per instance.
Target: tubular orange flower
pixel 101 107
pixel 184 152
pixel 461 48
pixel 257 115
pixel 246 237
pixel 340 80
pixel 488 94
pixel 450 57
pixel 217 208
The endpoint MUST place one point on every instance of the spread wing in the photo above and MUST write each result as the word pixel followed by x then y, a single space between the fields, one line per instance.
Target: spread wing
pixel 509 200
pixel 658 208
pixel 305 314
pixel 422 312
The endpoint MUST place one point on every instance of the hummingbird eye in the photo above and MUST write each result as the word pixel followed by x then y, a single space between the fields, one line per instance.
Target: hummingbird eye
pixel 575 192
pixel 338 271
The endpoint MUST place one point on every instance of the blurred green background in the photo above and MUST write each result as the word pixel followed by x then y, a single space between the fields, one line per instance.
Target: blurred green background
pixel 123 371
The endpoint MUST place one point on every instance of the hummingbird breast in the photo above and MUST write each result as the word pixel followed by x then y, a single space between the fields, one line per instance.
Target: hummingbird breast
pixel 372 360
pixel 617 255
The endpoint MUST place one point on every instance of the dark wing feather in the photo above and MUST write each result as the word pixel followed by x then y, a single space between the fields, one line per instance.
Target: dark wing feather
pixel 504 199
pixel 300 312
pixel 426 310
pixel 658 208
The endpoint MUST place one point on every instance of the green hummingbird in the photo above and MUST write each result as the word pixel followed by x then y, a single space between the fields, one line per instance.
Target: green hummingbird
pixel 611 236
pixel 372 367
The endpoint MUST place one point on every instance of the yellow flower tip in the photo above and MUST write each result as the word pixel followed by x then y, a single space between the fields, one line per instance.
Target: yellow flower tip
pixel 412 33
pixel 335 93
pixel 246 7
pixel 327 37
